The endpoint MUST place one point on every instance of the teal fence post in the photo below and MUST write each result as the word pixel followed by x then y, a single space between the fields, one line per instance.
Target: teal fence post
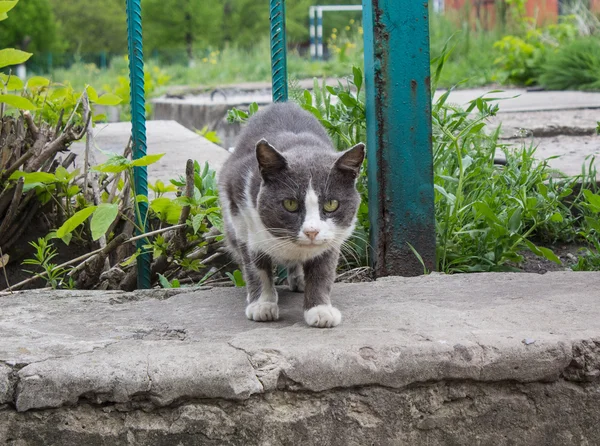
pixel 278 51
pixel 400 164
pixel 138 131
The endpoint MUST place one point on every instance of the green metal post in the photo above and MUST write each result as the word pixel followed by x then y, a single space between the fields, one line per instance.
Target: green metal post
pixel 138 130
pixel 400 165
pixel 278 51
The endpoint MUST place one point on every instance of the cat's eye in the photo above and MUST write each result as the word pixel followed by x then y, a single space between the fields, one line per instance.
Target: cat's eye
pixel 331 205
pixel 290 205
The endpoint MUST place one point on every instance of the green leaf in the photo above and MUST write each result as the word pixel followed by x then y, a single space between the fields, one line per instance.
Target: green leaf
pixel 92 94
pixel 147 160
pixel 216 221
pixel 38 82
pixel 556 217
pixel 107 99
pixel 515 220
pixel 115 164
pixel 593 223
pixel 164 282
pixel 12 83
pixel 17 102
pixel 543 252
pixel 237 278
pixel 11 56
pixel 197 221
pixel 357 73
pixel 103 217
pixel 33 177
pixel 593 200
pixel 141 198
pixel 6 6
pixel 253 108
pixel 307 98
pixel 484 210
pixel 72 223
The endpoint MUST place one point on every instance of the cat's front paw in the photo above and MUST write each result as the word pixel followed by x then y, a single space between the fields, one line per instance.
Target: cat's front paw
pixel 323 316
pixel 262 311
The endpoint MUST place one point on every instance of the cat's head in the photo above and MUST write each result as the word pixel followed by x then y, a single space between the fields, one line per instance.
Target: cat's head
pixel 309 197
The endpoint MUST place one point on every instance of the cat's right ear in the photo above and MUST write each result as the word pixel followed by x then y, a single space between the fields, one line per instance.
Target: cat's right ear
pixel 270 161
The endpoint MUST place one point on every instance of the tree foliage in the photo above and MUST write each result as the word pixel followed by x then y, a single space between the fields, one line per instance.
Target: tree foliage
pixel 32 26
pixel 91 25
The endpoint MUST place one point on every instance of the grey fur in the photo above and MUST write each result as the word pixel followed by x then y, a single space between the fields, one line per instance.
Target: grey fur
pixel 282 152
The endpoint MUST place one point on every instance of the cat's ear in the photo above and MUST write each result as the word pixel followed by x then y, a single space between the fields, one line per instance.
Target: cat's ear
pixel 269 159
pixel 351 160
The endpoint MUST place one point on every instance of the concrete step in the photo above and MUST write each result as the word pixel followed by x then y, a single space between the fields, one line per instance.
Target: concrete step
pixel 463 359
pixel 169 137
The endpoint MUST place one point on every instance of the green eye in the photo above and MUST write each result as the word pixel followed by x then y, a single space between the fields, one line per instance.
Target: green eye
pixel 331 205
pixel 290 205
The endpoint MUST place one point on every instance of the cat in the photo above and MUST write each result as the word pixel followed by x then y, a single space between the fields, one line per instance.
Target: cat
pixel 289 198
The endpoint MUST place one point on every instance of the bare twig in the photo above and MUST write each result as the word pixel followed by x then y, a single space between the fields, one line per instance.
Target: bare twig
pixel 32 127
pixel 4 269
pixel 86 166
pixel 8 172
pixel 89 254
pixel 68 160
pixel 12 210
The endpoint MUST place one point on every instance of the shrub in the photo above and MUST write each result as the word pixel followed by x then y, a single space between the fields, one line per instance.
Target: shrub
pixel 575 66
pixel 520 58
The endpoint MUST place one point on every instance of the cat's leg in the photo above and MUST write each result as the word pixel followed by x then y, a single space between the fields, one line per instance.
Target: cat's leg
pixel 262 295
pixel 319 275
pixel 295 278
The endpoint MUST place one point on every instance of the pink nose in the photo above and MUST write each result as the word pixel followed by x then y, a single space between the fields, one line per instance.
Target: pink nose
pixel 311 234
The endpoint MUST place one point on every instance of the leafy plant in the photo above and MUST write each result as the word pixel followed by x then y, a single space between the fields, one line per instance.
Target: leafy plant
pixel 42 257
pixel 236 278
pixel 521 58
pixel 165 283
pixel 575 66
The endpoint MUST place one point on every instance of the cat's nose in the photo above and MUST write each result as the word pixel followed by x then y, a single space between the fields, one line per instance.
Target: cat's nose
pixel 311 234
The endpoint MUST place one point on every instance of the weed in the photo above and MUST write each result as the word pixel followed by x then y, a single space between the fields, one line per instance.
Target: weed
pixel 42 257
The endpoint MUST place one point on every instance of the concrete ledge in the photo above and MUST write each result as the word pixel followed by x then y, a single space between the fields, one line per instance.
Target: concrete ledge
pixel 425 356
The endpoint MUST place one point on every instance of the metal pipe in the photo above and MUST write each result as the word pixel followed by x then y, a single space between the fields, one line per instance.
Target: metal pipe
pixel 138 131
pixel 278 51
pixel 400 162
pixel 319 33
pixel 312 32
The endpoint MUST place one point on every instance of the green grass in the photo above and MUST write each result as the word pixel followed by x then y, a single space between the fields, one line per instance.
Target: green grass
pixel 471 62
pixel 575 66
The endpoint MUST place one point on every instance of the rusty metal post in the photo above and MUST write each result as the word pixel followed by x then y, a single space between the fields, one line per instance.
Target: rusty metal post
pixel 400 164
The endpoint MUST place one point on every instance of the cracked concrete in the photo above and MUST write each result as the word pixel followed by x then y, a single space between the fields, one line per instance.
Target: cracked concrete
pixel 157 364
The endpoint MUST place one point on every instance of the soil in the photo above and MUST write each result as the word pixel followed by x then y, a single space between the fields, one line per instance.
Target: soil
pixel 23 250
pixel 534 264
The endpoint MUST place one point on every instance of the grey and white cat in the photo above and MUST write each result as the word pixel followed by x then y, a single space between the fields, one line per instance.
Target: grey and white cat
pixel 289 198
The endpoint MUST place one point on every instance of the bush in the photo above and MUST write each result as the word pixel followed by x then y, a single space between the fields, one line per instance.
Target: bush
pixel 520 58
pixel 575 66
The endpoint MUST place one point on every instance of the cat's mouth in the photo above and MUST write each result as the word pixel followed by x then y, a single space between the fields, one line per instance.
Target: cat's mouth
pixel 311 244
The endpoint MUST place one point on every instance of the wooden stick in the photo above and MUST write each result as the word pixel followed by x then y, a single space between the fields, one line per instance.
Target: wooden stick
pixel 12 209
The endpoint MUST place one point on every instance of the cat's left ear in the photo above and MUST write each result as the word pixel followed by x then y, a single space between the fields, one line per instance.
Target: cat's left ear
pixel 351 160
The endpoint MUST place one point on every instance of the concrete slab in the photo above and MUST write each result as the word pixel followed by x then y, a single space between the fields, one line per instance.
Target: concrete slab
pixel 521 100
pixel 518 125
pixel 65 346
pixel 434 360
pixel 178 143
pixel 572 151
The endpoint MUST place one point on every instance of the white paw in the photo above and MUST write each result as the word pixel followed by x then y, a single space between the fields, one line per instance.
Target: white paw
pixel 262 311
pixel 323 316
